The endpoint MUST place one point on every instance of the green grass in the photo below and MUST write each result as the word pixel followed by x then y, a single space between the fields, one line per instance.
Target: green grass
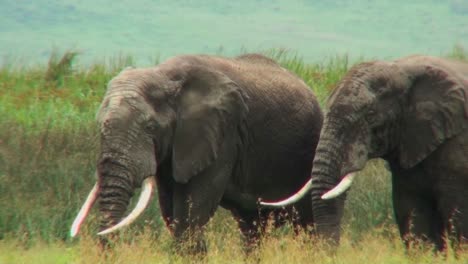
pixel 48 147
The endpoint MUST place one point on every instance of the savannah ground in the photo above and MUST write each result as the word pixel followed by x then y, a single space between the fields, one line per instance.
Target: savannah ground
pixel 48 147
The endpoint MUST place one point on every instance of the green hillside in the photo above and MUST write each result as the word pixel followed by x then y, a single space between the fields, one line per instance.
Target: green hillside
pixel 145 29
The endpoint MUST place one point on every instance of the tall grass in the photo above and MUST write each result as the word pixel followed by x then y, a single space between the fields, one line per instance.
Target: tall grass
pixel 48 146
pixel 224 248
pixel 321 77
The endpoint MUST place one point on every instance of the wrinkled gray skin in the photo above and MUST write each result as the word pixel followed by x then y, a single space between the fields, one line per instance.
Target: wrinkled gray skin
pixel 413 113
pixel 215 131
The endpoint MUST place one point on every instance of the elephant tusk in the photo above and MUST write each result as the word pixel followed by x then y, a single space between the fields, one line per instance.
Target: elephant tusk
pixel 145 196
pixel 92 196
pixel 292 199
pixel 342 187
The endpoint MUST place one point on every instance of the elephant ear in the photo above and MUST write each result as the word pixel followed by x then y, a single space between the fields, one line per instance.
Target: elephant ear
pixel 437 110
pixel 211 106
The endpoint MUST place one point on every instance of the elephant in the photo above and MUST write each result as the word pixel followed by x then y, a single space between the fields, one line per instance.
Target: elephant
pixel 205 131
pixel 411 112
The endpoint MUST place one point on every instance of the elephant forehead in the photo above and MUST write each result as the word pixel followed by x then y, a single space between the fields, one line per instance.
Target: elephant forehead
pixel 363 84
pixel 349 98
pixel 117 107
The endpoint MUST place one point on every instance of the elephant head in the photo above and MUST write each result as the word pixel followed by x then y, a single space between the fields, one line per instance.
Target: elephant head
pixel 178 112
pixel 400 111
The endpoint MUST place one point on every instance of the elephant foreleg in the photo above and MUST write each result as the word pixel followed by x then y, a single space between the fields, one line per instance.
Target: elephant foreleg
pixel 194 204
pixel 189 219
pixel 165 193
pixel 417 217
pixel 452 203
pixel 302 217
pixel 252 225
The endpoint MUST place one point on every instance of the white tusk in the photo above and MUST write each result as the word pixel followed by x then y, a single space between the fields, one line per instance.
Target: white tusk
pixel 145 196
pixel 342 187
pixel 292 199
pixel 84 211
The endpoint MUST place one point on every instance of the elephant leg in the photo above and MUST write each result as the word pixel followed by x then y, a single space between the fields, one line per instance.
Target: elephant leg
pixel 458 227
pixel 165 193
pixel 454 208
pixel 252 225
pixel 296 216
pixel 302 217
pixel 417 217
pixel 194 203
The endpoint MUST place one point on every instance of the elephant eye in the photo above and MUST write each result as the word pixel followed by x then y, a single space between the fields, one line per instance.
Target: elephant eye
pixel 151 126
pixel 371 116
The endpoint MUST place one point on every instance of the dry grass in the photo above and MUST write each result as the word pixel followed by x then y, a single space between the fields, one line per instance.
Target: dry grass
pixel 225 248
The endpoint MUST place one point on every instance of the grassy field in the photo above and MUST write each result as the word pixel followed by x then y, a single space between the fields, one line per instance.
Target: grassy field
pixel 224 248
pixel 48 146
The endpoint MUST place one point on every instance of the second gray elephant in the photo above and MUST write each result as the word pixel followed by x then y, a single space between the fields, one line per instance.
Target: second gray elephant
pixel 206 131
pixel 413 113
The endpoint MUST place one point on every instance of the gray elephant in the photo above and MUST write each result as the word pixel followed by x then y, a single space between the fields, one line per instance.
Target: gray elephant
pixel 206 131
pixel 413 113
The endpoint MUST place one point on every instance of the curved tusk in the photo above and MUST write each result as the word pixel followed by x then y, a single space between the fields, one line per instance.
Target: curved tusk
pixel 92 196
pixel 145 196
pixel 292 199
pixel 339 189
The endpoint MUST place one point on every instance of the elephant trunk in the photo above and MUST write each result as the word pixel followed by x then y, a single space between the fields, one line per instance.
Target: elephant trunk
pixel 114 192
pixel 114 197
pixel 326 175
pixel 145 196
pixel 117 185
